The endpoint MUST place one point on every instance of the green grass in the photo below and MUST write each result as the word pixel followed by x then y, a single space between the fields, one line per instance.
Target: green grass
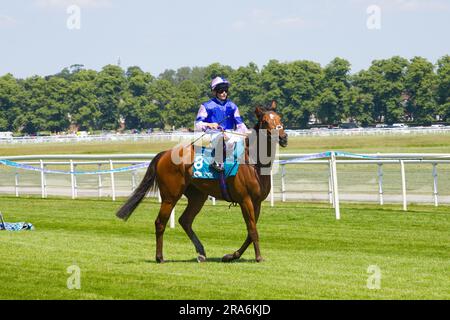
pixel 309 255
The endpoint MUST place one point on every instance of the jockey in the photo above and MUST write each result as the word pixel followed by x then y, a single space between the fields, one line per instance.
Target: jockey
pixel 220 113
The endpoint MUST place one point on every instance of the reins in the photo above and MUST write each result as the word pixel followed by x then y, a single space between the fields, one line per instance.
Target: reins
pixel 206 132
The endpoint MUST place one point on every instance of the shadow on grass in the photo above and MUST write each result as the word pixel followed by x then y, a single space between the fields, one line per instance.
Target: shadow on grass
pixel 194 260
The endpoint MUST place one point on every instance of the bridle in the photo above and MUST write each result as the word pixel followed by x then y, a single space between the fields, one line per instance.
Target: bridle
pixel 260 125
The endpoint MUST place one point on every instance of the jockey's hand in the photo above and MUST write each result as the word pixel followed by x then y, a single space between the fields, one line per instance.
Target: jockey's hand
pixel 212 125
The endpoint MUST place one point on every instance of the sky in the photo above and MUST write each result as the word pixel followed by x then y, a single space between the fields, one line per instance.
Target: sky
pixel 41 37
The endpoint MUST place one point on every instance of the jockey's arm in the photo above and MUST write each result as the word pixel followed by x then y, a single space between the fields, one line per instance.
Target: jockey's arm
pixel 241 128
pixel 200 123
pixel 240 125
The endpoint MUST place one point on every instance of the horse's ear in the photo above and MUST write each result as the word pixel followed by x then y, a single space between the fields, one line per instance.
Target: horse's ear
pixel 259 112
pixel 273 106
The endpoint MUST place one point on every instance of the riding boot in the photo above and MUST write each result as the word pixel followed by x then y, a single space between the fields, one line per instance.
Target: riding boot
pixel 217 166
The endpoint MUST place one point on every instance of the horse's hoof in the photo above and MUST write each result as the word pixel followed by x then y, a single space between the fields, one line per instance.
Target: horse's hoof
pixel 259 259
pixel 228 258
pixel 201 258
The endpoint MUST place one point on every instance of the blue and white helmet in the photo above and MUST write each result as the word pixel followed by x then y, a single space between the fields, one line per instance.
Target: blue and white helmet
pixel 219 81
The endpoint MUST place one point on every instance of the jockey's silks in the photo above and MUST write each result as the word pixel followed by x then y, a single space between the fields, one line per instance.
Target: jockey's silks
pixel 225 113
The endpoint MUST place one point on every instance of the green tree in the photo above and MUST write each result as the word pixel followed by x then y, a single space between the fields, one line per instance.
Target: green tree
pixel 27 120
pixel 246 90
pixel 111 85
pixel 331 107
pixel 390 90
pixel 136 99
pixel 295 87
pixel 138 81
pixel 421 87
pixel 51 113
pixel 360 106
pixel 180 112
pixel 11 97
pixel 197 75
pixel 443 92
pixel 168 75
pixel 84 112
pixel 161 93
pixel 385 81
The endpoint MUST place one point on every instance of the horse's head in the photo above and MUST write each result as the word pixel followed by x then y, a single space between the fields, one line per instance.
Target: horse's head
pixel 270 120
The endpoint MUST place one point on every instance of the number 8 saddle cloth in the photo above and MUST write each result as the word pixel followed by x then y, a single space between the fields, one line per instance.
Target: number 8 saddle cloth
pixel 204 157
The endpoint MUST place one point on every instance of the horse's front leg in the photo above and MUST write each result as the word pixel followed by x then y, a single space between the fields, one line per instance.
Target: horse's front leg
pixel 250 212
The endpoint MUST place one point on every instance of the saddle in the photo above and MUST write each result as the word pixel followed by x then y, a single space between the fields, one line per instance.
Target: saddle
pixel 202 168
pixel 204 157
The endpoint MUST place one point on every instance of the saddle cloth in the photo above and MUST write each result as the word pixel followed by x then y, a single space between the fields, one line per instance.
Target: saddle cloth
pixel 16 226
pixel 204 156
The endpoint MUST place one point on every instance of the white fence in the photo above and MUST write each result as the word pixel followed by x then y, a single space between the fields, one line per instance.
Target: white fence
pixel 178 136
pixel 369 131
pixel 118 175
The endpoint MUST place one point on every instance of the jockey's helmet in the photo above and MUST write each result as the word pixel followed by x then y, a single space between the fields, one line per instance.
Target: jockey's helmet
pixel 219 81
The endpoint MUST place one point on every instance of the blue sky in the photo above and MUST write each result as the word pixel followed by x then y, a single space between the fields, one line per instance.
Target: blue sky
pixel 159 35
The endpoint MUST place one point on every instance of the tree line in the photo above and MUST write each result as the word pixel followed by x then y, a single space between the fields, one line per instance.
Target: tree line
pixel 390 90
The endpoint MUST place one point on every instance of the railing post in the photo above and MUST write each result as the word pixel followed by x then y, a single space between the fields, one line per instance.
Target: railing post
pixel 330 183
pixel 283 183
pixel 17 183
pixel 133 180
pixel 75 181
pixel 335 186
pixel 435 185
pixel 42 179
pixel 100 182
pixel 402 168
pixel 172 219
pixel 72 179
pixel 380 183
pixel 113 186
pixel 272 200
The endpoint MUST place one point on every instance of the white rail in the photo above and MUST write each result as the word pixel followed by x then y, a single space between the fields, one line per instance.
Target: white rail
pixel 177 136
pixel 112 161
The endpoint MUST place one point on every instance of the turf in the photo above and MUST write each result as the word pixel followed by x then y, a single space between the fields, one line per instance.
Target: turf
pixel 308 254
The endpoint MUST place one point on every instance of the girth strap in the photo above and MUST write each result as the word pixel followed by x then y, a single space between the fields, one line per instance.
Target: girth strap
pixel 224 188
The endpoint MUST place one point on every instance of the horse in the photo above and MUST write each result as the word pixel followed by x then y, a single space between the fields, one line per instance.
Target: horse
pixel 248 188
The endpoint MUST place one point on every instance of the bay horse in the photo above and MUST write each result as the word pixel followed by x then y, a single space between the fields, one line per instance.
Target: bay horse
pixel 248 188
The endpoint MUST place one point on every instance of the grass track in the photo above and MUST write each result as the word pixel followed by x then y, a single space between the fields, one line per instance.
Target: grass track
pixel 309 255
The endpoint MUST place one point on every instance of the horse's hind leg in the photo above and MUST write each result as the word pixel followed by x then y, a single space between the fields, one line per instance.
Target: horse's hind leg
pixel 196 200
pixel 160 226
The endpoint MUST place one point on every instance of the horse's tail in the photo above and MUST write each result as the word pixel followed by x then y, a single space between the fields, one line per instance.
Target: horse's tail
pixel 148 183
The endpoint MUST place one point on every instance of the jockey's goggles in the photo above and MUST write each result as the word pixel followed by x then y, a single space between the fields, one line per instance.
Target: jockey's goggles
pixel 220 91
